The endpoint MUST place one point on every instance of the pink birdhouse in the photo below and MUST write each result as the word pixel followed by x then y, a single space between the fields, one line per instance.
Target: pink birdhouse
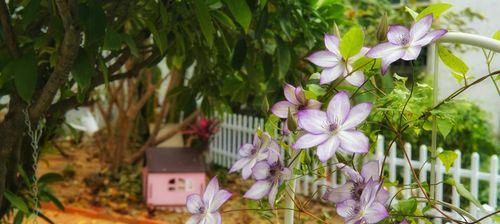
pixel 171 174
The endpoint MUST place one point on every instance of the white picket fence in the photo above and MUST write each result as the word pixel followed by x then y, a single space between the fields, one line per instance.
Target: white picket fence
pixel 237 129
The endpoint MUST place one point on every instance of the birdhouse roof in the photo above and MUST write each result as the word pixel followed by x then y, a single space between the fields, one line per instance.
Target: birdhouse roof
pixel 174 160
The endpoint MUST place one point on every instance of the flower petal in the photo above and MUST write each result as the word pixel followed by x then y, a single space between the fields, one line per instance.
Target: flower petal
pixel 211 190
pixel 392 57
pixel 328 148
pixel 238 165
pixel 398 35
pixel 357 78
pixel 313 121
pixel 281 108
pixel 375 213
pixel 289 91
pixel 347 209
pixel 429 37
pixel 245 150
pixel 324 59
pixel 247 169
pixel 332 44
pixel 220 198
pixel 261 170
pixel 272 194
pixel 371 170
pixel 309 140
pixel 194 203
pixel 350 172
pixel 331 73
pixel 273 155
pixel 420 28
pixel 382 50
pixel 258 190
pixel 300 95
pixel 313 104
pixel 382 195
pixel 340 194
pixel 411 53
pixel 357 115
pixel 353 141
pixel 212 218
pixel 195 219
pixel 338 108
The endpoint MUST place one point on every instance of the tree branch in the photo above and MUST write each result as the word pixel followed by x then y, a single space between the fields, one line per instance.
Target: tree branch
pixel 8 33
pixel 68 54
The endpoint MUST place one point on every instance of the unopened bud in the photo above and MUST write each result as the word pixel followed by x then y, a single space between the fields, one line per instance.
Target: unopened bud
pixel 382 28
pixel 336 30
pixel 265 105
pixel 291 123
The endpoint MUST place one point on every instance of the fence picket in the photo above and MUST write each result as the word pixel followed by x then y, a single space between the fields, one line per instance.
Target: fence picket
pixel 392 168
pixel 407 172
pixel 474 181
pixel 493 181
pixel 439 187
pixel 457 166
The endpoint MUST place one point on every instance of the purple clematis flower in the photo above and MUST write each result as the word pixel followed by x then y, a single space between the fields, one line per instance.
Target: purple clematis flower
pixel 334 65
pixel 353 188
pixel 205 210
pixel 295 101
pixel 335 128
pixel 270 175
pixel 250 154
pixel 405 44
pixel 365 210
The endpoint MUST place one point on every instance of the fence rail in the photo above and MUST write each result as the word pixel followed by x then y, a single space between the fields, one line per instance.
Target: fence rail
pixel 237 129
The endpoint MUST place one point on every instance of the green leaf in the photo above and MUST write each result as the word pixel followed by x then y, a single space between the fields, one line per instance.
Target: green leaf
pixel 412 12
pixel 53 199
pixel 50 178
pixel 462 191
pixel 407 206
pixel 448 158
pixel 82 70
pixel 29 13
pixel 25 76
pixel 112 40
pixel 204 19
pixel 453 62
pixel 17 202
pixel 444 127
pixel 95 24
pixel 271 125
pixel 241 12
pixel 159 38
pixel 129 41
pixel 496 36
pixel 283 57
pixel 224 19
pixel 239 54
pixel 351 43
pixel 435 9
pixel 19 218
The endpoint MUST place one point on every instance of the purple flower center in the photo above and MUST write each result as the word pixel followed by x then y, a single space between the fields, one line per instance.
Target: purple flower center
pixel 333 127
pixel 404 40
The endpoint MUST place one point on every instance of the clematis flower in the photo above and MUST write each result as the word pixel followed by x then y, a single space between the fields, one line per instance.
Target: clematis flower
pixel 270 174
pixel 353 188
pixel 295 101
pixel 405 44
pixel 335 128
pixel 250 154
pixel 205 210
pixel 365 210
pixel 334 65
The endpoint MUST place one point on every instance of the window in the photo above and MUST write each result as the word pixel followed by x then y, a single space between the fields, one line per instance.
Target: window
pixel 179 184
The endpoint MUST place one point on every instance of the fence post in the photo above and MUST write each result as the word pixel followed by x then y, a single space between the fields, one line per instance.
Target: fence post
pixel 474 182
pixel 493 181
pixel 457 166
pixel 407 172
pixel 392 168
pixel 289 197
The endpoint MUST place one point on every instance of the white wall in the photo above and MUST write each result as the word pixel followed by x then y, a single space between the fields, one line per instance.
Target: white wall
pixel 484 94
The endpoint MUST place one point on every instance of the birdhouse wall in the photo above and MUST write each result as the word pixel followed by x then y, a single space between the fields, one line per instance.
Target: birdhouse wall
pixel 171 189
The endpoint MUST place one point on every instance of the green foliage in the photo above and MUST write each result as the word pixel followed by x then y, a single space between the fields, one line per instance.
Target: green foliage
pixel 448 157
pixel 453 62
pixel 435 9
pixel 351 43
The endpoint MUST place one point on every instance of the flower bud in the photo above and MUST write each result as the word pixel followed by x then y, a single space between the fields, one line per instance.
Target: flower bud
pixel 291 123
pixel 382 28
pixel 336 30
pixel 265 105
